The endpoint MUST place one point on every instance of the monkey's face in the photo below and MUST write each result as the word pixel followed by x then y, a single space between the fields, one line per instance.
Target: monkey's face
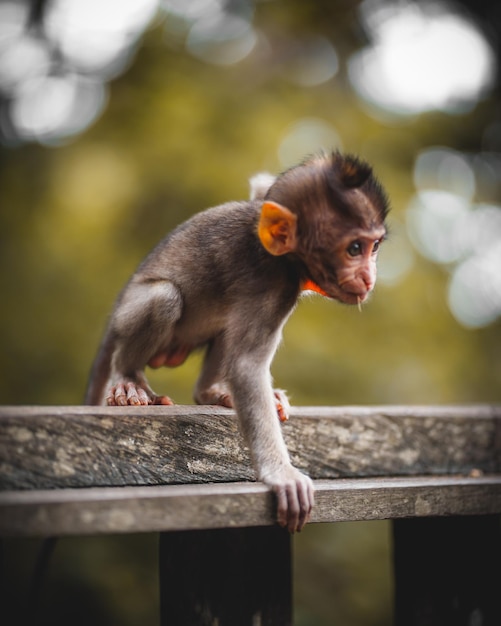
pixel 338 252
pixel 346 268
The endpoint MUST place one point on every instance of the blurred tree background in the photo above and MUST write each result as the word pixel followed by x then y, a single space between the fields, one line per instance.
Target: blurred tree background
pixel 120 119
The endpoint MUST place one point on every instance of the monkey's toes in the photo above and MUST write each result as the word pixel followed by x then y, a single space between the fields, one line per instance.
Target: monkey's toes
pixel 214 396
pixel 282 405
pixel 128 394
pixel 163 400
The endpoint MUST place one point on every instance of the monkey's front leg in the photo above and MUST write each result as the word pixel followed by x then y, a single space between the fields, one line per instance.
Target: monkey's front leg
pixel 254 402
pixel 212 386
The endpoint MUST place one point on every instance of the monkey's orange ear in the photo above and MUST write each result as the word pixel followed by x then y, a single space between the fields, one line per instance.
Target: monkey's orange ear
pixel 277 228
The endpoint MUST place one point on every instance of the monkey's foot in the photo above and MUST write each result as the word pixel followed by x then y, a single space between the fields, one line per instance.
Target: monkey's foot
pixel 282 404
pixel 215 395
pixel 132 393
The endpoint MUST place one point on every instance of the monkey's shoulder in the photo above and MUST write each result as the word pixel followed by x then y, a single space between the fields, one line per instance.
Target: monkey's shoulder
pixel 232 218
pixel 218 251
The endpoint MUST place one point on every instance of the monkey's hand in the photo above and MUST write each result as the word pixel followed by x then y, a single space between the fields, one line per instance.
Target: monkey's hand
pixel 128 391
pixel 295 496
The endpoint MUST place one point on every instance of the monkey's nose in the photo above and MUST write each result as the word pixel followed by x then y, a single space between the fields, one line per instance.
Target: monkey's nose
pixel 367 280
pixel 368 284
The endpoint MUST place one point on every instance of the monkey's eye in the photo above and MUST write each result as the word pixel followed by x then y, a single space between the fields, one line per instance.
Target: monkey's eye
pixel 355 248
pixel 376 245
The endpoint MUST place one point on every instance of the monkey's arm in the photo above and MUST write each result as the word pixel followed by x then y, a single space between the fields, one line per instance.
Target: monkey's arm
pixel 255 406
pixel 255 403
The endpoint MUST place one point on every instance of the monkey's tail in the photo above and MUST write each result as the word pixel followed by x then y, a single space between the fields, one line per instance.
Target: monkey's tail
pixel 99 373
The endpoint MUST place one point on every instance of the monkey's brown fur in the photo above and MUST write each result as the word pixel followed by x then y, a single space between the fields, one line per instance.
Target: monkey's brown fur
pixel 227 280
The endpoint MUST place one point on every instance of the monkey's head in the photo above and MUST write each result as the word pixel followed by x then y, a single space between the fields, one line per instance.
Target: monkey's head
pixel 329 213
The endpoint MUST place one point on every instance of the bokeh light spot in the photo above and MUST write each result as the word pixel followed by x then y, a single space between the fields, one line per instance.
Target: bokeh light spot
pixel 55 107
pixel 54 71
pixel 306 136
pixel 221 39
pixel 396 257
pixel 27 57
pixel 445 169
pixel 13 17
pixel 313 62
pixel 475 288
pixel 447 228
pixel 424 57
pixel 194 9
pixel 437 221
pixel 98 44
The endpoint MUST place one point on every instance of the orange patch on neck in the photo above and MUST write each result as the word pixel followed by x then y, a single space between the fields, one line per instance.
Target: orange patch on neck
pixel 309 285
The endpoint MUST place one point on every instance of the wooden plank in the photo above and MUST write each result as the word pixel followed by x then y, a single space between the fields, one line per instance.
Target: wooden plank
pixel 226 577
pixel 189 507
pixel 67 447
pixel 447 570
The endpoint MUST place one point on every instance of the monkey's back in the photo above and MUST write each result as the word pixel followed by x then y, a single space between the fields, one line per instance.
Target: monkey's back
pixel 216 260
pixel 216 250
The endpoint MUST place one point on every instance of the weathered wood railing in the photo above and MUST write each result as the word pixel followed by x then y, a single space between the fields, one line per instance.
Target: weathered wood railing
pixel 184 471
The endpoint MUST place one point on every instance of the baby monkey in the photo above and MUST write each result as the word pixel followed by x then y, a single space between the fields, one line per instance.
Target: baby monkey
pixel 227 280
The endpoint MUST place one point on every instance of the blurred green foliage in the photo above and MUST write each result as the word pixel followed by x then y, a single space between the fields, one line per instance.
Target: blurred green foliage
pixel 177 136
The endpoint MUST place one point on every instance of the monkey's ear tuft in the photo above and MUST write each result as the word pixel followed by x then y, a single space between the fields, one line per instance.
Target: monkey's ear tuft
pixel 354 172
pixel 277 228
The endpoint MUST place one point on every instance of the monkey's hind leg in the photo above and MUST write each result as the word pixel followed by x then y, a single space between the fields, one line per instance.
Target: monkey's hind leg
pixel 211 387
pixel 142 325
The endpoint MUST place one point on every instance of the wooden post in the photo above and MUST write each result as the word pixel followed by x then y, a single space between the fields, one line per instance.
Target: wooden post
pixel 447 571
pixel 229 577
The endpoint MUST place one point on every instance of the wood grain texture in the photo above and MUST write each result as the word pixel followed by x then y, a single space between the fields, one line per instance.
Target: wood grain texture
pixel 67 447
pixel 234 505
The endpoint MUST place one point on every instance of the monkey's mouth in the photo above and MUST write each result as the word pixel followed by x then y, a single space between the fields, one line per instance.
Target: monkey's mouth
pixel 353 290
pixel 353 297
pixel 347 292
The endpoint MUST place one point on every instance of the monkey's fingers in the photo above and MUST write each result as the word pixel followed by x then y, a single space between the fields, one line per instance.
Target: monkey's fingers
pixel 290 514
pixel 282 505
pixel 300 506
pixel 294 513
pixel 306 501
pixel 295 499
